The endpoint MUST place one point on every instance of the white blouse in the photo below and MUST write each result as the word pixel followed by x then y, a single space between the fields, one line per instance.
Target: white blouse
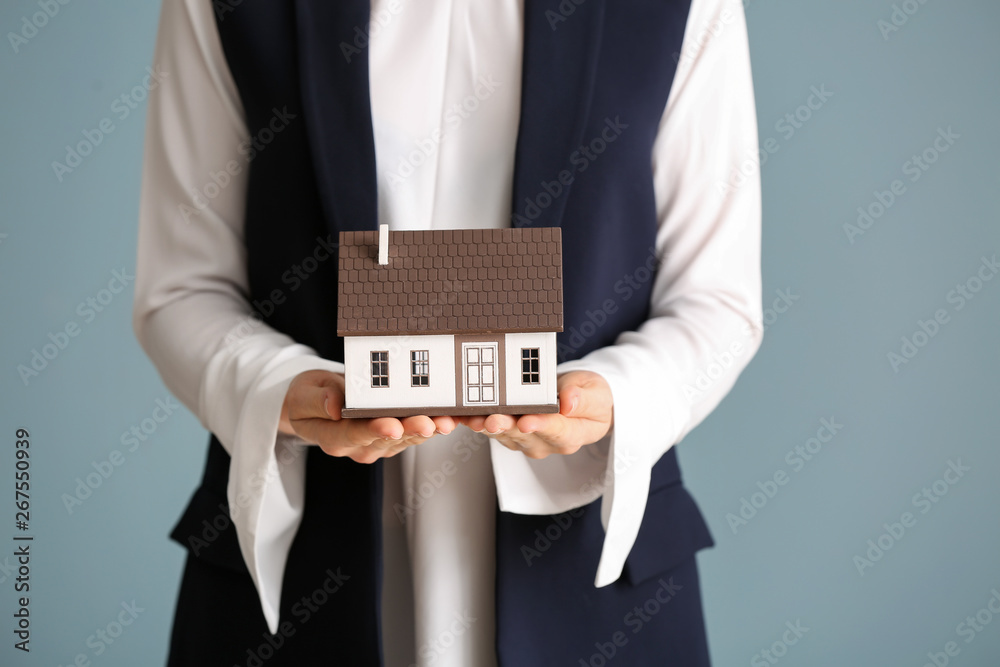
pixel 445 91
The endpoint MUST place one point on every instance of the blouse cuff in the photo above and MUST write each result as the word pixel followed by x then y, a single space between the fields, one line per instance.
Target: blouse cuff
pixel 649 415
pixel 617 467
pixel 267 468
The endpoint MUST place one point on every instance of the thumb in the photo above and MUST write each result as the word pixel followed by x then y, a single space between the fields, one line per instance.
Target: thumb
pixel 315 395
pixel 584 395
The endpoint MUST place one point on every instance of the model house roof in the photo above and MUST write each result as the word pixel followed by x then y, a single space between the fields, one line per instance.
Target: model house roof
pixel 445 281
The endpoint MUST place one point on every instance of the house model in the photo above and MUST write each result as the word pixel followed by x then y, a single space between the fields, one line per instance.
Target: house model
pixel 450 322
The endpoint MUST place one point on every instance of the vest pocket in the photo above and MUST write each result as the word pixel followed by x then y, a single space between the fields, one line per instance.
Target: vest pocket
pixel 672 530
pixel 206 530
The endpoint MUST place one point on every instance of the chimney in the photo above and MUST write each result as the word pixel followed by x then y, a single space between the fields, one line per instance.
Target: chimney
pixel 383 245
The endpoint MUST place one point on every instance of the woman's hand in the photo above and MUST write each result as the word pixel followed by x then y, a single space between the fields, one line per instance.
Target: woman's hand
pixel 312 412
pixel 586 414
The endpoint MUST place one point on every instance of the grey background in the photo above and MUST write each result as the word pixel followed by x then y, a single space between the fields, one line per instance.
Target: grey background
pixel 824 357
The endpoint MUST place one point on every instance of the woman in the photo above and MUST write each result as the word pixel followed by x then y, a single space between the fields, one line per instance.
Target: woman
pixel 625 124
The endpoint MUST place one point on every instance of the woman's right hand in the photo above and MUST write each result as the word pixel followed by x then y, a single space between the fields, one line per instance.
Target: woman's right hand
pixel 312 411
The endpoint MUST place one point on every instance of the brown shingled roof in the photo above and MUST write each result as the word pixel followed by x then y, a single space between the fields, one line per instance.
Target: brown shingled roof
pixel 451 281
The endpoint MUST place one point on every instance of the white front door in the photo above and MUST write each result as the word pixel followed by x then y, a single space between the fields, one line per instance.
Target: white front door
pixel 480 374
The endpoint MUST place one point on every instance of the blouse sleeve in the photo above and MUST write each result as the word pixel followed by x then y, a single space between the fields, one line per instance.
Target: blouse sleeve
pixel 191 312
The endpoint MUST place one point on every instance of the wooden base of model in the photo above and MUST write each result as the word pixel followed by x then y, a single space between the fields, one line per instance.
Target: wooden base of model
pixel 400 413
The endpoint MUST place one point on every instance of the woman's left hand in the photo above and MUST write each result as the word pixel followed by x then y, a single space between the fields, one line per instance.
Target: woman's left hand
pixel 586 414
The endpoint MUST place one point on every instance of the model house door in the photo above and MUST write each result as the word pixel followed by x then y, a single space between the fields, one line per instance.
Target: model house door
pixel 480 373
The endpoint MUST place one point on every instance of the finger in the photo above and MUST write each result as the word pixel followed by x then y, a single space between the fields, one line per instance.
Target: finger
pixel 317 431
pixel 555 430
pixel 392 451
pixel 385 428
pixel 386 446
pixel 350 433
pixel 534 445
pixel 509 443
pixel 444 425
pixel 366 455
pixel 535 423
pixel 362 440
pixel 418 426
pixel 474 422
pixel 336 437
pixel 495 424
pixel 530 445
pixel 540 452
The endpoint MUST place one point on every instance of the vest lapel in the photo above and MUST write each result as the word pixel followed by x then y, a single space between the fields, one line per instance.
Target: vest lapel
pixel 337 107
pixel 560 56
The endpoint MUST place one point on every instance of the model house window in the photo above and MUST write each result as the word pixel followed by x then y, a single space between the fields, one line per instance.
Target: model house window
pixel 420 368
pixel 380 369
pixel 529 365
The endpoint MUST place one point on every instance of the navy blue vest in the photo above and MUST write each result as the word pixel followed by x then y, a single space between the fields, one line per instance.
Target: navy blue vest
pixel 595 81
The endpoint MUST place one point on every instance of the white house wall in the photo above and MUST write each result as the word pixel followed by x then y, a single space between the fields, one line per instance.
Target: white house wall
pixel 399 393
pixel 543 393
